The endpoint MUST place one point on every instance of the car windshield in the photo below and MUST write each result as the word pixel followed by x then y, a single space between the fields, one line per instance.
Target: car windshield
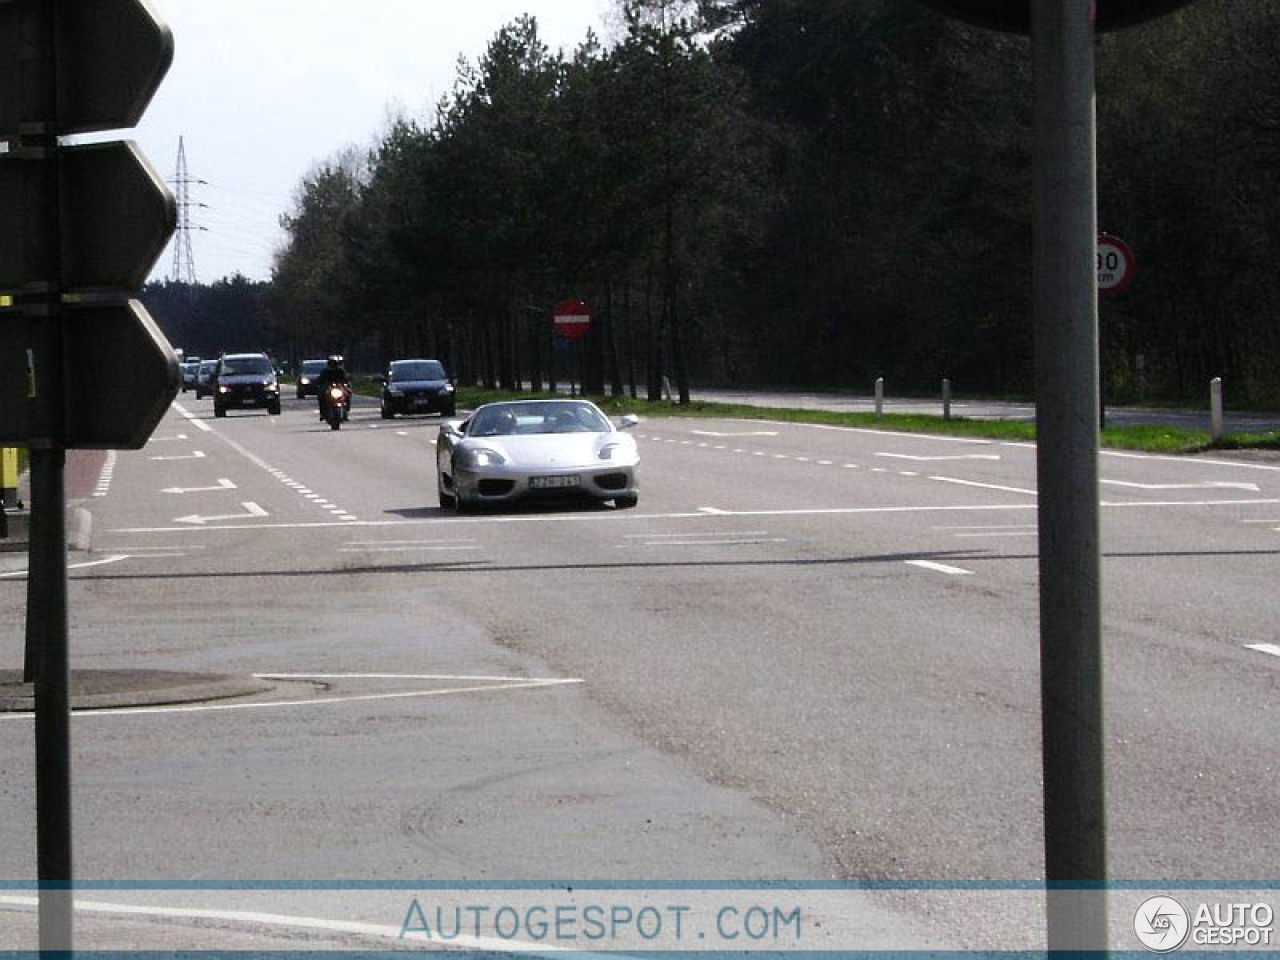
pixel 556 416
pixel 207 366
pixel 311 367
pixel 416 370
pixel 234 366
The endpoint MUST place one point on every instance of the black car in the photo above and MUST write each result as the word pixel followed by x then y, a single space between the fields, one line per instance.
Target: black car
pixel 307 373
pixel 416 386
pixel 245 380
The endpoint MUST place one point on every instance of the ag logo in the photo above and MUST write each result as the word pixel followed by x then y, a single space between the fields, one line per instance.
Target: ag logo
pixel 1161 924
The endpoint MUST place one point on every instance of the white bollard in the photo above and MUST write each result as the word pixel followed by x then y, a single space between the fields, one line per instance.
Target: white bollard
pixel 879 396
pixel 946 399
pixel 1215 409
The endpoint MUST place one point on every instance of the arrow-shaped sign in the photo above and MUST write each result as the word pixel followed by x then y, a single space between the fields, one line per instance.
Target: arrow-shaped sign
pixel 1209 485
pixel 252 512
pixel 961 456
pixel 223 484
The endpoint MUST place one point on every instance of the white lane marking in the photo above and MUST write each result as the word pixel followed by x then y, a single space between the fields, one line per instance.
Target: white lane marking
pixel 198 424
pixel 711 542
pixel 989 526
pixel 398 543
pixel 735 533
pixel 252 512
pixel 908 473
pixel 1208 485
pixel 465 942
pixel 223 484
pixel 402 433
pixel 704 512
pixel 73 566
pixel 940 568
pixel 961 456
pixel 223 707
pixel 1270 648
pixel 985 486
pixel 104 478
pixel 454 549
pixel 195 455
pixel 824 463
pixel 1009 533
pixel 738 433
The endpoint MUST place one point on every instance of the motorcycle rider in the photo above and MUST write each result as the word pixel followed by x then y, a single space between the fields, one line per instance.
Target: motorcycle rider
pixel 333 373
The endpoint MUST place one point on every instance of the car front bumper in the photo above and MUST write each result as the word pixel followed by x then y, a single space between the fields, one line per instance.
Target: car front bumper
pixel 498 485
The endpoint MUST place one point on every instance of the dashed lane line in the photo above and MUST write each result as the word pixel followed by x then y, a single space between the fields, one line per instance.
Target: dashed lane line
pixel 940 568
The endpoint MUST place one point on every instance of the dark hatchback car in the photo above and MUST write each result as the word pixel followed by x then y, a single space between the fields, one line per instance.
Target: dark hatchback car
pixel 417 386
pixel 307 373
pixel 245 380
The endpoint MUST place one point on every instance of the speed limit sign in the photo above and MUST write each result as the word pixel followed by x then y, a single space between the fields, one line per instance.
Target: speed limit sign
pixel 1115 264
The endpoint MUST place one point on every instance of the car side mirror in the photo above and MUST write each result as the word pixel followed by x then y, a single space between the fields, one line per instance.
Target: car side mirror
pixel 452 427
pixel 629 421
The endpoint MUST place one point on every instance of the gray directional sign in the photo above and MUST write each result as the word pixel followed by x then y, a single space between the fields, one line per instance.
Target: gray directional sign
pixel 110 56
pixel 121 376
pixel 117 216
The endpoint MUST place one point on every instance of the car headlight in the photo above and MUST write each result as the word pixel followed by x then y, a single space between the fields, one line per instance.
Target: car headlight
pixel 305 381
pixel 481 457
pixel 224 389
pixel 447 388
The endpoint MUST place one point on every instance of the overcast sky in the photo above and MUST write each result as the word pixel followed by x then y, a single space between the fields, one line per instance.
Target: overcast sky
pixel 261 90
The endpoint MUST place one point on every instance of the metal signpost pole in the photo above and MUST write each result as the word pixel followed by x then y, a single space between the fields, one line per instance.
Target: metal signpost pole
pixel 1066 335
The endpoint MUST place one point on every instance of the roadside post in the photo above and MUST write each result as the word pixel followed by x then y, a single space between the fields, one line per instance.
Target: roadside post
pixel 571 319
pixel 946 399
pixel 1215 409
pixel 81 364
pixel 1065 302
pixel 879 396
pixel 1116 265
pixel 9 478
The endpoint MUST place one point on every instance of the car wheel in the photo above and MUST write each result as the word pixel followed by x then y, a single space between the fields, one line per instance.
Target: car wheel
pixel 219 410
pixel 387 414
pixel 627 502
pixel 274 409
pixel 446 499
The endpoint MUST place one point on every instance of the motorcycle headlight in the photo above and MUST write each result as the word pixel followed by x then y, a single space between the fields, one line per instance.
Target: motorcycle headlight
pixel 481 457
pixel 335 392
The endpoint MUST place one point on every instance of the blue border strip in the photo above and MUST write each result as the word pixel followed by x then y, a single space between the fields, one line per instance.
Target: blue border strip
pixel 625 885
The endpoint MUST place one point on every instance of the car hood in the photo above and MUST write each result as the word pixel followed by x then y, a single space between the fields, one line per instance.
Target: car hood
pixel 555 450
pixel 416 384
pixel 251 379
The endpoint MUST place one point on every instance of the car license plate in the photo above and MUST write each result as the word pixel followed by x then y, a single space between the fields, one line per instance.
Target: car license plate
pixel 546 483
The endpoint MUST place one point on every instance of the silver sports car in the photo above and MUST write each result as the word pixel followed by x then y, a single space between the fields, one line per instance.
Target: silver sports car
pixel 528 449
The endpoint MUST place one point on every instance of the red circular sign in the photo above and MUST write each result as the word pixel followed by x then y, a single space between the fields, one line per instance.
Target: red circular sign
pixel 572 319
pixel 1115 264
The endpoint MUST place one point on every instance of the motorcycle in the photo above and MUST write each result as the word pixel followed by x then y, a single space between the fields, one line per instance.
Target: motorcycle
pixel 339 406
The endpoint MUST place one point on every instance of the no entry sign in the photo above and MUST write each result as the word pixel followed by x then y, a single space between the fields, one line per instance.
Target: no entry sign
pixel 572 319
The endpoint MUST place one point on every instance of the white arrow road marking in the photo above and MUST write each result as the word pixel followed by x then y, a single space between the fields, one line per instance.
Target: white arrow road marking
pixel 74 566
pixel 985 486
pixel 940 568
pixel 1270 648
pixel 252 511
pixel 197 455
pixel 223 484
pixel 1208 485
pixel 962 456
pixel 748 433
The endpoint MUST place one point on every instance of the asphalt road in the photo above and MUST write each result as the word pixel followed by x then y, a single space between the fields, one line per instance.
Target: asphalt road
pixel 809 654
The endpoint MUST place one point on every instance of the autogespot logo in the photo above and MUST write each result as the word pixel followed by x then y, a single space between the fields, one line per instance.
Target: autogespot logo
pixel 1161 924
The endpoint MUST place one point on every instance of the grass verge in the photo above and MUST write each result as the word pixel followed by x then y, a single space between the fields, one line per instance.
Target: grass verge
pixel 1148 438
